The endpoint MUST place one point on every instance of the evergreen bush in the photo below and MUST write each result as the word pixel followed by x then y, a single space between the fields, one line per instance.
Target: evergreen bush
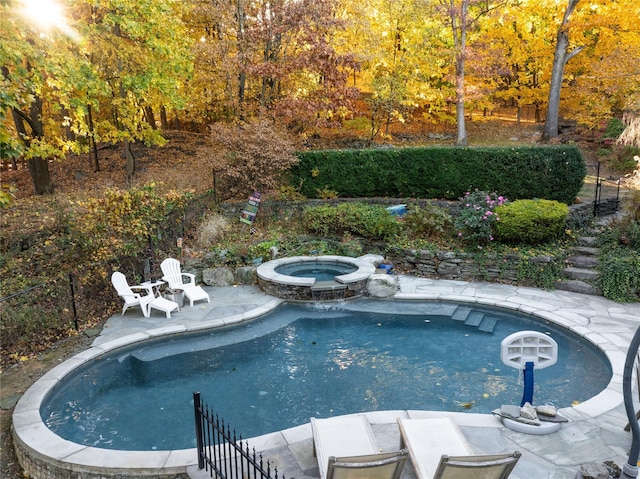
pixel 530 221
pixel 367 221
pixel 551 172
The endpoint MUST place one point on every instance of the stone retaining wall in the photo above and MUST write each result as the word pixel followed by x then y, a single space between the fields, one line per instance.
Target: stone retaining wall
pixel 422 263
pixel 465 266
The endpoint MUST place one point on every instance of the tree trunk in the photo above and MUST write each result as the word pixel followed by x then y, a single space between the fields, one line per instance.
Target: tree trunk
pixel 130 161
pixel 163 118
pixel 560 59
pixel 39 171
pixel 38 167
pixel 150 117
pixel 92 136
pixel 461 139
pixel 242 75
pixel 460 42
pixel 68 132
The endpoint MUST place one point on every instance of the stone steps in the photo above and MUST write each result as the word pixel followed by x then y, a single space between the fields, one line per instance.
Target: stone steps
pixel 576 286
pixel 580 261
pixel 580 273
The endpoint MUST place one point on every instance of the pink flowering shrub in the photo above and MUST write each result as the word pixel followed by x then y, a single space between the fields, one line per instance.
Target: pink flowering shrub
pixel 476 215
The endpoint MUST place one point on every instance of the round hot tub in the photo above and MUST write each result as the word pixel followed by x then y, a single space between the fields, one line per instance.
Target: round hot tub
pixel 319 278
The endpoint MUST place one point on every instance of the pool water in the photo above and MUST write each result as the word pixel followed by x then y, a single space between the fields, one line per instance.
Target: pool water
pixel 320 270
pixel 303 360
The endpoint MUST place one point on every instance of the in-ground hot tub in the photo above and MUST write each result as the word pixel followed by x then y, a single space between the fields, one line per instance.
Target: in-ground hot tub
pixel 320 278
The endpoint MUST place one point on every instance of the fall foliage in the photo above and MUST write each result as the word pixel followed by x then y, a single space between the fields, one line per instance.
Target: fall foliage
pixel 99 73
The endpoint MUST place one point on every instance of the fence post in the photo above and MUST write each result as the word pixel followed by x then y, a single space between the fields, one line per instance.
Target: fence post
pixel 197 406
pixel 597 198
pixel 73 302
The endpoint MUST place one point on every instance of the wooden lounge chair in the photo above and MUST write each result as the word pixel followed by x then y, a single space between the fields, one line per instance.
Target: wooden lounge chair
pixel 175 278
pixel 346 449
pixel 437 449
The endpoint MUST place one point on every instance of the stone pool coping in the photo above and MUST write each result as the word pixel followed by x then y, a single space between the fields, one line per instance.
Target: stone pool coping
pixel 267 271
pixel 609 326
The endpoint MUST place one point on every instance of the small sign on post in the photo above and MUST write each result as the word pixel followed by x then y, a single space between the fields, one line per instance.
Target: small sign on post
pixel 250 210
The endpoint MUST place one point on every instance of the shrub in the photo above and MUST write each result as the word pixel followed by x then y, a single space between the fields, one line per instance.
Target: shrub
pixel 619 262
pixel 530 221
pixel 476 216
pixel 614 129
pixel 263 249
pixel 250 156
pixel 212 230
pixel 290 193
pixel 428 222
pixel 123 223
pixel 368 221
pixel 327 194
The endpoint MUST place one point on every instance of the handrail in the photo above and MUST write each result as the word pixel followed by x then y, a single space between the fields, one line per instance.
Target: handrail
pixel 630 468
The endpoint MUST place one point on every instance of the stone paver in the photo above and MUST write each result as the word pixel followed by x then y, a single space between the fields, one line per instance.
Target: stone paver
pixel 594 434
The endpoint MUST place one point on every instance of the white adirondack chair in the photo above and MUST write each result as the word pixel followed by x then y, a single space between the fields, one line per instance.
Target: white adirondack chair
pixel 130 298
pixel 175 278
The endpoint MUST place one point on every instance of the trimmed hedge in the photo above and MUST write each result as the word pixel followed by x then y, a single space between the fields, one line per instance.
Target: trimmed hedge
pixel 550 172
pixel 530 221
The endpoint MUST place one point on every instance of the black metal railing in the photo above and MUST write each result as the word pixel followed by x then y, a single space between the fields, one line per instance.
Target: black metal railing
pixel 221 453
pixel 606 205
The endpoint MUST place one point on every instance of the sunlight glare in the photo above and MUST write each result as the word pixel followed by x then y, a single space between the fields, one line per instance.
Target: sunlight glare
pixel 47 14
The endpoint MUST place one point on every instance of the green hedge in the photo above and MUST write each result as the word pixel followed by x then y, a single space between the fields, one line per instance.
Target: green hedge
pixel 368 221
pixel 554 172
pixel 530 221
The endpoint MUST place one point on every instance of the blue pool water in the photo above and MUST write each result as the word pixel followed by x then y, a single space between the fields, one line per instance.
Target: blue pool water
pixel 303 360
pixel 320 270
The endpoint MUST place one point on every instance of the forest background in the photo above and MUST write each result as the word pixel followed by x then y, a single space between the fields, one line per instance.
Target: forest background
pixel 79 75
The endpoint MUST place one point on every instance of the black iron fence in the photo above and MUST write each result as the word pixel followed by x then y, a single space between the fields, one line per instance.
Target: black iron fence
pixel 607 194
pixel 44 311
pixel 221 453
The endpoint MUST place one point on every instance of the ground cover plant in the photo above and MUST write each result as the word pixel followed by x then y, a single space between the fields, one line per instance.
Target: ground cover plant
pixel 619 263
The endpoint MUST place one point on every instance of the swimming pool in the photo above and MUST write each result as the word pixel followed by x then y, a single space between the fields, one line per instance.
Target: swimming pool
pixel 301 361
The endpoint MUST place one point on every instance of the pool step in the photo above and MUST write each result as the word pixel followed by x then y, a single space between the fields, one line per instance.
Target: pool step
pixel 461 313
pixel 488 324
pixel 476 319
